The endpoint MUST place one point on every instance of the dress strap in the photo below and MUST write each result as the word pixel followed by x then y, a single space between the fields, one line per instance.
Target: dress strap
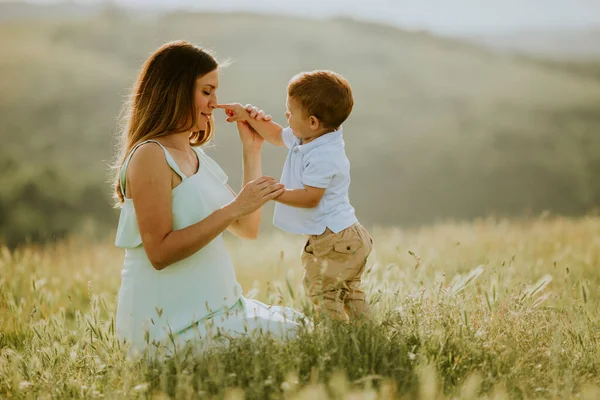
pixel 168 157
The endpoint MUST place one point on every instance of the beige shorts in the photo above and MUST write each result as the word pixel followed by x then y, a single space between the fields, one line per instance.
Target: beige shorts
pixel 333 266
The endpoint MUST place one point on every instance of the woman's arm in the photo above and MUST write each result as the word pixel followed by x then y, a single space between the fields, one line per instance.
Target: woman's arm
pixel 149 179
pixel 248 226
pixel 252 142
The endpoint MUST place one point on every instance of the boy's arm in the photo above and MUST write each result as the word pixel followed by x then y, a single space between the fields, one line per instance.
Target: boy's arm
pixel 309 197
pixel 268 130
pixel 316 178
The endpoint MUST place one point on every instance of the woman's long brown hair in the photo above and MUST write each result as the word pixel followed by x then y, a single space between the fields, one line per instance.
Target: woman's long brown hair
pixel 162 101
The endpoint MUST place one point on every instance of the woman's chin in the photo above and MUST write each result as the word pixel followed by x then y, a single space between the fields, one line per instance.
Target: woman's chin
pixel 200 126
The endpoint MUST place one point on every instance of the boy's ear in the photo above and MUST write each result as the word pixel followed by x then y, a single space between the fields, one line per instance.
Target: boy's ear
pixel 314 122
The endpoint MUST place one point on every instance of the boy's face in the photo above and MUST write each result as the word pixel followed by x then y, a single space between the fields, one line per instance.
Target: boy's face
pixel 298 121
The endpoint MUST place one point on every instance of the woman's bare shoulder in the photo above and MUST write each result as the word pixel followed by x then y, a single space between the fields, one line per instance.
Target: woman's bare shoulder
pixel 146 154
pixel 148 161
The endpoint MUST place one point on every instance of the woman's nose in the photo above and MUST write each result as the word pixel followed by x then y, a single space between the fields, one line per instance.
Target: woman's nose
pixel 213 102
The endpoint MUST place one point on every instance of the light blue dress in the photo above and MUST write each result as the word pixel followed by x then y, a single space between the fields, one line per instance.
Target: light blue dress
pixel 195 298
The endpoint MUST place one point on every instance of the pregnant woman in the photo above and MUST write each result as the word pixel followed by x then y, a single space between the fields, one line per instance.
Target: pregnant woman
pixel 178 282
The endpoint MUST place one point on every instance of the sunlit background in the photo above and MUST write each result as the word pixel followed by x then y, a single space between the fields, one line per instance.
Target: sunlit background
pixel 464 108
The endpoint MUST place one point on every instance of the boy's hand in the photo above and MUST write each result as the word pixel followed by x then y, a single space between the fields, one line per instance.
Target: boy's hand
pixel 259 122
pixel 235 112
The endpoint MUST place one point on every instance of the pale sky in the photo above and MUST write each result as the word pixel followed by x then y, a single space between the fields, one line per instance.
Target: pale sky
pixel 448 17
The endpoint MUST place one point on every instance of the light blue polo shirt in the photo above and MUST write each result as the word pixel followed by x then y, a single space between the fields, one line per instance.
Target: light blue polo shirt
pixel 320 163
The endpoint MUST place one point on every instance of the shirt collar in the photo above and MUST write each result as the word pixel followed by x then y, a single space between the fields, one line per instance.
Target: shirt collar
pixel 321 140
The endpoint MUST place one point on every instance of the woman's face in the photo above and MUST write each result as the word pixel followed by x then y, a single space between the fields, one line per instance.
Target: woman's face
pixel 205 99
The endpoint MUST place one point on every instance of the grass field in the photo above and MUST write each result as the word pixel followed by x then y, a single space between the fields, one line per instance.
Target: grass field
pixel 494 308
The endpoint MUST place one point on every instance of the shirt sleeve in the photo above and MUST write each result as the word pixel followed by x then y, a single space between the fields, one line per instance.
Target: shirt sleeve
pixel 288 137
pixel 318 172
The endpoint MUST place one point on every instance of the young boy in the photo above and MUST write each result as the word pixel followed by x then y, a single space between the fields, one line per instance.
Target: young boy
pixel 316 175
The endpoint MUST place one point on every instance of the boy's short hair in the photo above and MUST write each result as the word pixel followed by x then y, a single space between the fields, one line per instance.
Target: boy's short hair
pixel 323 94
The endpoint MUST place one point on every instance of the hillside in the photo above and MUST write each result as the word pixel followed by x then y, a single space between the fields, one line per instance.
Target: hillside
pixel 441 129
pixel 578 44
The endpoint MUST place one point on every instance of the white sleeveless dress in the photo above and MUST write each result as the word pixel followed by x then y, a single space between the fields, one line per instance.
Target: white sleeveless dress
pixel 195 298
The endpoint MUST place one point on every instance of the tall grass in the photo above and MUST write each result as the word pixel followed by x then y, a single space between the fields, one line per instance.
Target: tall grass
pixel 494 309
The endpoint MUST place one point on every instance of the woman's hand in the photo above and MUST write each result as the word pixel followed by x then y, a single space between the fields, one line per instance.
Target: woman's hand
pixel 255 194
pixel 250 139
pixel 255 113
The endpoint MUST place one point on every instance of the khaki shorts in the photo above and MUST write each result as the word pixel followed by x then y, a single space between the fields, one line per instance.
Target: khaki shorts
pixel 333 267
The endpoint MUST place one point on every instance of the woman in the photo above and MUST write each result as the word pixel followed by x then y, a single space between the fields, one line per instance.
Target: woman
pixel 178 281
